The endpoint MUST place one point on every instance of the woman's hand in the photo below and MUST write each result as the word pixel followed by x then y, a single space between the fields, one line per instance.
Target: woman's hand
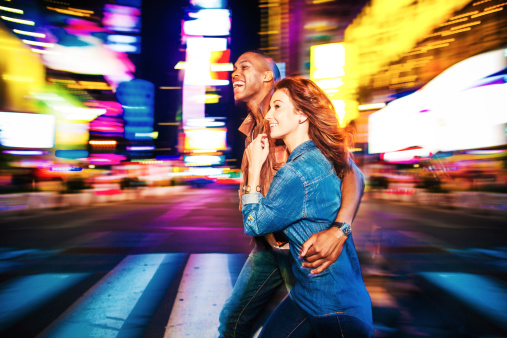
pixel 257 153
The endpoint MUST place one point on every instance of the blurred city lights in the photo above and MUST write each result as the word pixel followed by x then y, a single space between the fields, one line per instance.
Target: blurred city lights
pixel 208 22
pixel 12 10
pixel 34 34
pixel 20 21
pixel 23 130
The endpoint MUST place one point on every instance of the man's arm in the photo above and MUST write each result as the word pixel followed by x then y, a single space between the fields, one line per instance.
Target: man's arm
pixel 323 249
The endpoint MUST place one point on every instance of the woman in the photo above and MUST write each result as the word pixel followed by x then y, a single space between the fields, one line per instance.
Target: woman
pixel 304 199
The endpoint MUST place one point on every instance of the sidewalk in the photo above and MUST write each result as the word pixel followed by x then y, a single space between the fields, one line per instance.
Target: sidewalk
pixel 484 203
pixel 33 202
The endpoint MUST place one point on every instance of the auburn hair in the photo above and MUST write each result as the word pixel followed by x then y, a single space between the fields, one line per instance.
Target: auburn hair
pixel 324 127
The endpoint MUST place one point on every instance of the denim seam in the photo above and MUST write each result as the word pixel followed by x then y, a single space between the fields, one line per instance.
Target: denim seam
pixel 340 325
pixel 331 172
pixel 335 313
pixel 304 186
pixel 236 326
pixel 296 328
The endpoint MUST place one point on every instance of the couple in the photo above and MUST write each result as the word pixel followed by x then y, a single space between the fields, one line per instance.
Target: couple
pixel 297 200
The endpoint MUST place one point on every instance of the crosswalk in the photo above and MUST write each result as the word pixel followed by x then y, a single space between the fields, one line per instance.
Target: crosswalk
pixel 125 300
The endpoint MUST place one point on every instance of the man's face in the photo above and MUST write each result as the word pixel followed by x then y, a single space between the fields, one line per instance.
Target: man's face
pixel 247 77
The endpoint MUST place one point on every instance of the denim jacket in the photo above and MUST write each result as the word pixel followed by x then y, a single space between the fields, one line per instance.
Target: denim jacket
pixel 304 199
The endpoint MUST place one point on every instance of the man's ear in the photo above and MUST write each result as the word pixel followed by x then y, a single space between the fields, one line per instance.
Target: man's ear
pixel 268 76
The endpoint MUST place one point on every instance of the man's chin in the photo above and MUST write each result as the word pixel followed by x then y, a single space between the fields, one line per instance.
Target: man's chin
pixel 239 97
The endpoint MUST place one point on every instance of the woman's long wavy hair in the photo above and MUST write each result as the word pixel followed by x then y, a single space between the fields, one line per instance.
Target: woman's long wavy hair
pixel 324 127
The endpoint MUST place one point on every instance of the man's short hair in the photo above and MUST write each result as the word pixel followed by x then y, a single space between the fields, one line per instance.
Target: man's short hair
pixel 274 68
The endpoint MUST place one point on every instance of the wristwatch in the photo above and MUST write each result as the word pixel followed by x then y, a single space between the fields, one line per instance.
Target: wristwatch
pixel 343 226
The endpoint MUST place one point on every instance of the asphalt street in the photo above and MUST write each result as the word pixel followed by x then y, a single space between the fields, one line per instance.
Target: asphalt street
pixel 163 267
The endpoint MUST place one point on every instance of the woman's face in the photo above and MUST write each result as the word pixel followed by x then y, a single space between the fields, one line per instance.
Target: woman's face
pixel 282 116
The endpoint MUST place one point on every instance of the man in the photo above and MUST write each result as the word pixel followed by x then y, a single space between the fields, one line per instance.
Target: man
pixel 268 266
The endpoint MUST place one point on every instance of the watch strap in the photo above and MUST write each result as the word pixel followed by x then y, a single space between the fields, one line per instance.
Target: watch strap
pixel 343 226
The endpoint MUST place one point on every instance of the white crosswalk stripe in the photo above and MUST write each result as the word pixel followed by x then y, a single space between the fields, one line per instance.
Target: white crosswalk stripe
pixel 122 303
pixel 203 290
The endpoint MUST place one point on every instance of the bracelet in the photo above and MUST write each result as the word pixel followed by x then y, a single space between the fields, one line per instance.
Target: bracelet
pixel 247 189
pixel 343 226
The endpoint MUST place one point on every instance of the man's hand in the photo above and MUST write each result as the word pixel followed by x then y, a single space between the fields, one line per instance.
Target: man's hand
pixel 322 249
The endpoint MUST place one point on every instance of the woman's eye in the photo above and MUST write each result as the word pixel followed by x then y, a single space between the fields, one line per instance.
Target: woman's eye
pixel 277 106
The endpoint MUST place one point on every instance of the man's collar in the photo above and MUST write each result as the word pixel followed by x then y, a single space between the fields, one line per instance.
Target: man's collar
pixel 247 125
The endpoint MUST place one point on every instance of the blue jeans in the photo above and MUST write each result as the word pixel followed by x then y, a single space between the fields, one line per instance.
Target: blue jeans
pixel 290 320
pixel 265 270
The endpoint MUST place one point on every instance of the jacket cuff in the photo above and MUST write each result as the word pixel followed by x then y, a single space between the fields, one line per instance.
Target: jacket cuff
pixel 251 198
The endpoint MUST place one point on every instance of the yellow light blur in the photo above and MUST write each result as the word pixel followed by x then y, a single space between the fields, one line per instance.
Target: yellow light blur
pixel 22 73
pixel 103 143
pixel 23 22
pixel 406 24
pixel 17 78
pixel 37 43
pixel 453 22
pixel 180 65
pixel 327 61
pixel 371 106
pixel 38 35
pixel 446 33
pixel 91 166
pixel 330 83
pixel 42 51
pixel 466 25
pixel 80 10
pixel 488 12
pixel 61 80
pixel 463 15
pixel 211 98
pixel 90 85
pixel 66 11
pixel 499 5
pixel 331 71
pixel 12 10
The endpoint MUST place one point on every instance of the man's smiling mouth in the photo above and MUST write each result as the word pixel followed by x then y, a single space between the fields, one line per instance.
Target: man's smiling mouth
pixel 238 84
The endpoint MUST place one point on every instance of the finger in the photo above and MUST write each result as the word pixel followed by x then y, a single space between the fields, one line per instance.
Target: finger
pixel 321 268
pixel 314 264
pixel 313 257
pixel 259 137
pixel 306 246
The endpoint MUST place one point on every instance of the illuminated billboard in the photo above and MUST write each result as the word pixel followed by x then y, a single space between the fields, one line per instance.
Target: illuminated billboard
pixel 24 130
pixel 328 68
pixel 462 108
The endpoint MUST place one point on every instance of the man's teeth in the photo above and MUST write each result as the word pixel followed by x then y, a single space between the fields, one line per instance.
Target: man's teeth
pixel 238 84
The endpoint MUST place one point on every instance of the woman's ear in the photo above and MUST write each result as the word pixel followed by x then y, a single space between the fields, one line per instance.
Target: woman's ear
pixel 302 118
pixel 268 76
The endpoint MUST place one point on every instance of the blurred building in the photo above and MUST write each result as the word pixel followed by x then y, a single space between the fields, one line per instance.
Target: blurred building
pixel 445 59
